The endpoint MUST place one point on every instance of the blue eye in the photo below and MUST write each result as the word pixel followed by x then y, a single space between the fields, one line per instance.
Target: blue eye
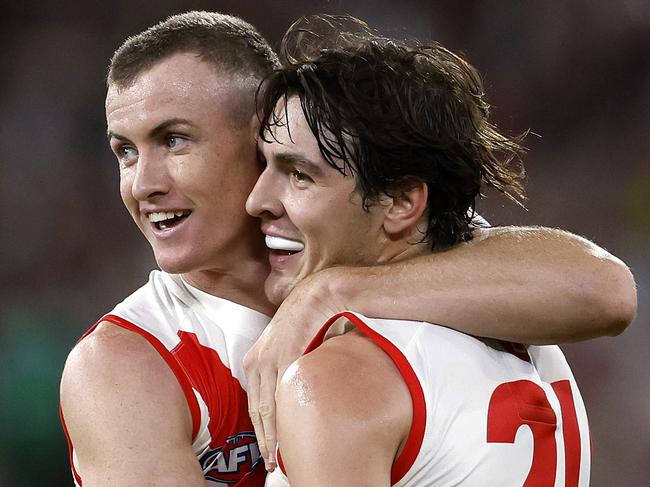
pixel 126 154
pixel 174 141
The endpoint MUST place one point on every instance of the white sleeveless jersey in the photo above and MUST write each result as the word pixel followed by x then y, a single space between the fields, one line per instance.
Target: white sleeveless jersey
pixel 484 412
pixel 203 339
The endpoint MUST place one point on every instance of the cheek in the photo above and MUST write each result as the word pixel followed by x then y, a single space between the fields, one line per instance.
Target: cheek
pixel 125 187
pixel 223 175
pixel 352 230
pixel 243 172
pixel 326 235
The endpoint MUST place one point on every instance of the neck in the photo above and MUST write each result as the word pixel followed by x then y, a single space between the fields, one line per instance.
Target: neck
pixel 240 289
pixel 403 247
pixel 242 285
pixel 407 252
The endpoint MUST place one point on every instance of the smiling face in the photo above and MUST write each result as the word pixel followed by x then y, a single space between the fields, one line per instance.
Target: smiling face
pixel 311 214
pixel 185 166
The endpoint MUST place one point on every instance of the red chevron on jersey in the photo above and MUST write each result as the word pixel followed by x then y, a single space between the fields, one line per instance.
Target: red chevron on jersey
pixel 203 340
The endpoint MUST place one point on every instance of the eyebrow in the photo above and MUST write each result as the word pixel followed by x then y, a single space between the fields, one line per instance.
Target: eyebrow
pixel 154 132
pixel 287 158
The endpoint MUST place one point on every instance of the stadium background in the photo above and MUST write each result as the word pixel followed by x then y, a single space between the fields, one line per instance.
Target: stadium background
pixel 576 72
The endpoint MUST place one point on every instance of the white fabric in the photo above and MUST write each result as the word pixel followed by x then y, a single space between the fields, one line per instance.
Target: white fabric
pixel 166 306
pixel 458 375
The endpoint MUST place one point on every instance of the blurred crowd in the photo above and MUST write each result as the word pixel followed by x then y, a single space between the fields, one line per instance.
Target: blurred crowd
pixel 577 74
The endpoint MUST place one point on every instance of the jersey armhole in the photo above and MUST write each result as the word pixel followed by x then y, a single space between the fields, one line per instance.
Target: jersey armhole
pixel 169 359
pixel 75 474
pixel 406 458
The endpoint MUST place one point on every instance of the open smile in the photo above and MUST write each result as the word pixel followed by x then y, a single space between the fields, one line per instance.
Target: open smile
pixel 282 249
pixel 167 220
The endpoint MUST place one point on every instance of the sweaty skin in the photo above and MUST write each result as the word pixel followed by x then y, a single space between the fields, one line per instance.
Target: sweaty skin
pixel 207 167
pixel 527 271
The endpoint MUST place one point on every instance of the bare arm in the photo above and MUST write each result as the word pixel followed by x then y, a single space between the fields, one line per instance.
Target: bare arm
pixel 126 414
pixel 529 285
pixel 337 424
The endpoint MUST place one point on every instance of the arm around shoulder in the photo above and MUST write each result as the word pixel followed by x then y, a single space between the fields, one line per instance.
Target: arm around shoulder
pixel 126 414
pixel 598 285
pixel 531 285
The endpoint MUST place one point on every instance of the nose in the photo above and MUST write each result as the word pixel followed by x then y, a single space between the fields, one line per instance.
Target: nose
pixel 264 199
pixel 151 177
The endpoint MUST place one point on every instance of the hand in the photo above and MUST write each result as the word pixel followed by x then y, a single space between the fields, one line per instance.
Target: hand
pixel 305 310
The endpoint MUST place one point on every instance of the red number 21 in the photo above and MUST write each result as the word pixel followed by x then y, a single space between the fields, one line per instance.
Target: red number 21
pixel 522 402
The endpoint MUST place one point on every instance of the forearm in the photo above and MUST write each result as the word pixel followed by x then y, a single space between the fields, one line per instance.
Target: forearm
pixel 530 285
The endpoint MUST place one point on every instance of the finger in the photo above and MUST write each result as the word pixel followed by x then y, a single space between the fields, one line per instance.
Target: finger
pixel 266 408
pixel 253 412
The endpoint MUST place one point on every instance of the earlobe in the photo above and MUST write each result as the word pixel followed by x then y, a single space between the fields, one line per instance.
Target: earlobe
pixel 405 209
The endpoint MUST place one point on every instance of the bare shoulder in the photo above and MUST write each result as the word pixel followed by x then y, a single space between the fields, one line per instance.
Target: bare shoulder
pixel 105 344
pixel 111 359
pixel 342 406
pixel 119 396
pixel 345 368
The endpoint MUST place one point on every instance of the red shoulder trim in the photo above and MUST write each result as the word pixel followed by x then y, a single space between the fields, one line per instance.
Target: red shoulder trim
pixel 169 359
pixel 413 444
pixel 67 437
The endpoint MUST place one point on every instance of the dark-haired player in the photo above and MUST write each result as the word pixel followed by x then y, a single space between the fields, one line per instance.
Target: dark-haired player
pixel 375 152
pixel 154 394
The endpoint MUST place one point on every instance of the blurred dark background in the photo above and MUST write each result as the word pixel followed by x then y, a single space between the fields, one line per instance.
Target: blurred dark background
pixel 577 73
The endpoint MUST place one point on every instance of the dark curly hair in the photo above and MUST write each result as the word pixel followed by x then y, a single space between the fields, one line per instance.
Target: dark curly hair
pixel 389 112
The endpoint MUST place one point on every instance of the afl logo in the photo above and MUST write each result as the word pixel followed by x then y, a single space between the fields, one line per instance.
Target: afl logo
pixel 228 464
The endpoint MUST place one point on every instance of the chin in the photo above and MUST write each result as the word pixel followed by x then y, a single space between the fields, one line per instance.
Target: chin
pixel 172 269
pixel 275 291
pixel 175 265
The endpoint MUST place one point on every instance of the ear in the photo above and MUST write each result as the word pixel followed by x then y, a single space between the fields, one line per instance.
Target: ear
pixel 404 208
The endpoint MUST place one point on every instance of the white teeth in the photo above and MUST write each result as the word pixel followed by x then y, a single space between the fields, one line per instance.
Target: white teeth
pixel 279 243
pixel 159 216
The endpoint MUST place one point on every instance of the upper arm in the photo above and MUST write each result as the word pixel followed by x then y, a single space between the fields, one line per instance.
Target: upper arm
pixel 531 285
pixel 343 414
pixel 592 280
pixel 126 414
